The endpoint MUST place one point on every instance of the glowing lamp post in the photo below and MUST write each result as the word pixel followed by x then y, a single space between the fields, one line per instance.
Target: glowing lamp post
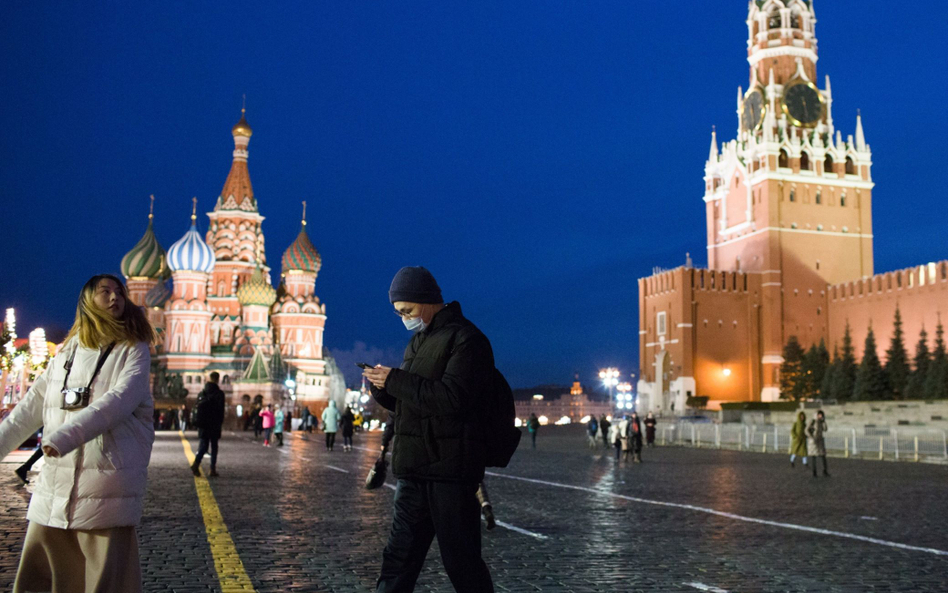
pixel 610 378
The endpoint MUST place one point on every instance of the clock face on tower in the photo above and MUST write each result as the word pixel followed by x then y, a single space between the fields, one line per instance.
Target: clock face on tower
pixel 752 110
pixel 803 104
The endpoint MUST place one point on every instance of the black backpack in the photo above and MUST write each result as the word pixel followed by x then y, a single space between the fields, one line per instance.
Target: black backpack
pixel 502 436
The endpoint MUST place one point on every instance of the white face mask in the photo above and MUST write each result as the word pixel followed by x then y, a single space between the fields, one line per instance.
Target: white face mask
pixel 415 324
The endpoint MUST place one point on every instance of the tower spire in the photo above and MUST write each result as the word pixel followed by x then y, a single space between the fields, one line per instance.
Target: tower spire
pixel 194 210
pixel 860 135
pixel 151 208
pixel 304 213
pixel 713 153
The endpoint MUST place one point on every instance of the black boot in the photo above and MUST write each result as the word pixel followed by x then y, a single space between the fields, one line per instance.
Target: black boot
pixel 196 469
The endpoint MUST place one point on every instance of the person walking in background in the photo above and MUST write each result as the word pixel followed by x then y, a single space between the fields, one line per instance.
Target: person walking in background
pixel 348 418
pixel 209 419
pixel 267 422
pixel 533 425
pixel 635 438
pixel 331 419
pixel 279 420
pixel 615 437
pixel 94 403
pixel 306 420
pixel 816 442
pixel 650 423
pixel 440 448
pixel 592 429
pixel 183 417
pixel 798 439
pixel 257 421
pixel 604 425
pixel 23 471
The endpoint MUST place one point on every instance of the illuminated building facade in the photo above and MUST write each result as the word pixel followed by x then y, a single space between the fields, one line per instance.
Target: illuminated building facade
pixel 789 238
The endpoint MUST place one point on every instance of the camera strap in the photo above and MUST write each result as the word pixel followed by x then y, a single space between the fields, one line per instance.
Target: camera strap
pixel 98 365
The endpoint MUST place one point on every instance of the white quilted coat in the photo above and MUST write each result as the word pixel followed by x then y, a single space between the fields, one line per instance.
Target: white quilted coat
pixel 99 479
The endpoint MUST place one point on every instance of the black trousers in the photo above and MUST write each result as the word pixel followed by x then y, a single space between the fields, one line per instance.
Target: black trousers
pixel 330 440
pixel 423 510
pixel 202 449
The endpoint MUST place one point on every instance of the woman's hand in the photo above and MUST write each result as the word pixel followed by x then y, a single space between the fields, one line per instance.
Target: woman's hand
pixel 377 375
pixel 50 451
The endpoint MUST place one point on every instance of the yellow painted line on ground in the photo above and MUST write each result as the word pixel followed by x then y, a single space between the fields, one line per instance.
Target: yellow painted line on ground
pixel 230 569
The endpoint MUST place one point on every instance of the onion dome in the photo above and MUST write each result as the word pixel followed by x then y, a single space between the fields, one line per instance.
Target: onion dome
pixel 158 295
pixel 256 291
pixel 301 255
pixel 190 253
pixel 147 258
pixel 242 128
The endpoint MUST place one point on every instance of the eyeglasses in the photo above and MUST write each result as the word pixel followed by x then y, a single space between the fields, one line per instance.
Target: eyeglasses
pixel 405 314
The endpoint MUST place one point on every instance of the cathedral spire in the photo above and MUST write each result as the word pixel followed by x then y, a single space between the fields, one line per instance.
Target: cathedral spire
pixel 712 154
pixel 238 192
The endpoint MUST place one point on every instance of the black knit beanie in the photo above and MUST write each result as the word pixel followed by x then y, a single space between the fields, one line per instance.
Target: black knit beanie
pixel 414 284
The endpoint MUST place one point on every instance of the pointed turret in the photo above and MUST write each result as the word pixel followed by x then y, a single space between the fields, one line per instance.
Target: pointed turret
pixel 147 259
pixel 238 192
pixel 713 153
pixel 860 135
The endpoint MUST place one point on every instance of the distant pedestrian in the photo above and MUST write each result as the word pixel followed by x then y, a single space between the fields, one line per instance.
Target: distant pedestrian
pixel 183 417
pixel 635 438
pixel 816 442
pixel 95 405
pixel 615 436
pixel 257 420
pixel 798 439
pixel 208 419
pixel 23 471
pixel 267 421
pixel 650 423
pixel 533 425
pixel 331 419
pixel 279 420
pixel 592 429
pixel 604 425
pixel 348 419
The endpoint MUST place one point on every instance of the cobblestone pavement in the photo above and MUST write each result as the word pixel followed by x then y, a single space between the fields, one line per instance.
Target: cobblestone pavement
pixel 301 521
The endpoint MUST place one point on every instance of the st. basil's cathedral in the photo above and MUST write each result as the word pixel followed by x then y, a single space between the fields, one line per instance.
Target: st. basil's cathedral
pixel 211 301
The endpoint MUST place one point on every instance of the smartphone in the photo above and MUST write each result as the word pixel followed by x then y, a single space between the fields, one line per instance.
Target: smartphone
pixel 364 365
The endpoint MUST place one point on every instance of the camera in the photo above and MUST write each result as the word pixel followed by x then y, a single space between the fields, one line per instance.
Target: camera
pixel 75 398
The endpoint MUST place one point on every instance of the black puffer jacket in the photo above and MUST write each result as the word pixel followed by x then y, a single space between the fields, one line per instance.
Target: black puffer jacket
pixel 210 411
pixel 438 395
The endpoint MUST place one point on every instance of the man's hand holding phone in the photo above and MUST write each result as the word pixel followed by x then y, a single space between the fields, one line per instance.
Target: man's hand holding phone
pixel 377 375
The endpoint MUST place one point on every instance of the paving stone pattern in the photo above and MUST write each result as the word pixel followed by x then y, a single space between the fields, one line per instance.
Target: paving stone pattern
pixel 299 525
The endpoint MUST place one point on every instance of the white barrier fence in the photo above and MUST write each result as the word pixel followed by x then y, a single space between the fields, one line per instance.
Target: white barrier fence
pixel 904 444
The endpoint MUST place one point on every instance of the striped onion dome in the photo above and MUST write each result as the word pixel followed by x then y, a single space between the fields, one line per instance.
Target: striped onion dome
pixel 191 253
pixel 256 291
pixel 158 295
pixel 301 255
pixel 146 259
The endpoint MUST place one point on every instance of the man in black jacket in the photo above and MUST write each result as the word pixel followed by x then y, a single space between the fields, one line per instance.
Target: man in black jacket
pixel 439 396
pixel 209 419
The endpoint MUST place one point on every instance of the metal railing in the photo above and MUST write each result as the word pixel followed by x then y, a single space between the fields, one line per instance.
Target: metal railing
pixel 894 444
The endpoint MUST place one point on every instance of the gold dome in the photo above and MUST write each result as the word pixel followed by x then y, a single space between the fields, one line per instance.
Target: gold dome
pixel 242 128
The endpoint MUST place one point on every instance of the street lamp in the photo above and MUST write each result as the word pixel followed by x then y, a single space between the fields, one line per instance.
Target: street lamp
pixel 610 378
pixel 624 398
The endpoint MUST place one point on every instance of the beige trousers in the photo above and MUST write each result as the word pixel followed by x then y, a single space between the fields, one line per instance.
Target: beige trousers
pixel 80 561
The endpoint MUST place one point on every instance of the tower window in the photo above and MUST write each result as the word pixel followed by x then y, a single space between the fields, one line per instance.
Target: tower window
pixel 819 197
pixel 660 323
pixel 817 264
pixel 842 200
pixel 793 195
pixel 804 161
pixel 828 164
pixel 783 161
pixel 850 166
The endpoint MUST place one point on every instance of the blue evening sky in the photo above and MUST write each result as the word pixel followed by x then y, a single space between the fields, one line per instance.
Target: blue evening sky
pixel 538 157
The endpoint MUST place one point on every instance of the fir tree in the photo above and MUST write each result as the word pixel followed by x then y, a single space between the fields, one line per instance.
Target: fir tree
pixel 815 362
pixel 844 376
pixel 792 381
pixel 915 389
pixel 870 376
pixel 896 360
pixel 828 385
pixel 936 384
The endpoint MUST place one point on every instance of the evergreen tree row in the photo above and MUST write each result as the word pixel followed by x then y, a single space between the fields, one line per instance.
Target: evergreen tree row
pixel 811 373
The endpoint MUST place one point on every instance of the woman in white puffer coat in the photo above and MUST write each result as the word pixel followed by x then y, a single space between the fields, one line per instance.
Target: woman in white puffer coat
pixel 88 498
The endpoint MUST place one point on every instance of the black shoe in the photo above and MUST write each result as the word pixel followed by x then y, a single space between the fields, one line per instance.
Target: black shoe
pixel 21 473
pixel 488 511
pixel 213 473
pixel 826 474
pixel 196 470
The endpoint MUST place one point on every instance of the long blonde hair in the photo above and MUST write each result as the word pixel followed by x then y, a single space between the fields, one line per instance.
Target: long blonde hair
pixel 96 327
